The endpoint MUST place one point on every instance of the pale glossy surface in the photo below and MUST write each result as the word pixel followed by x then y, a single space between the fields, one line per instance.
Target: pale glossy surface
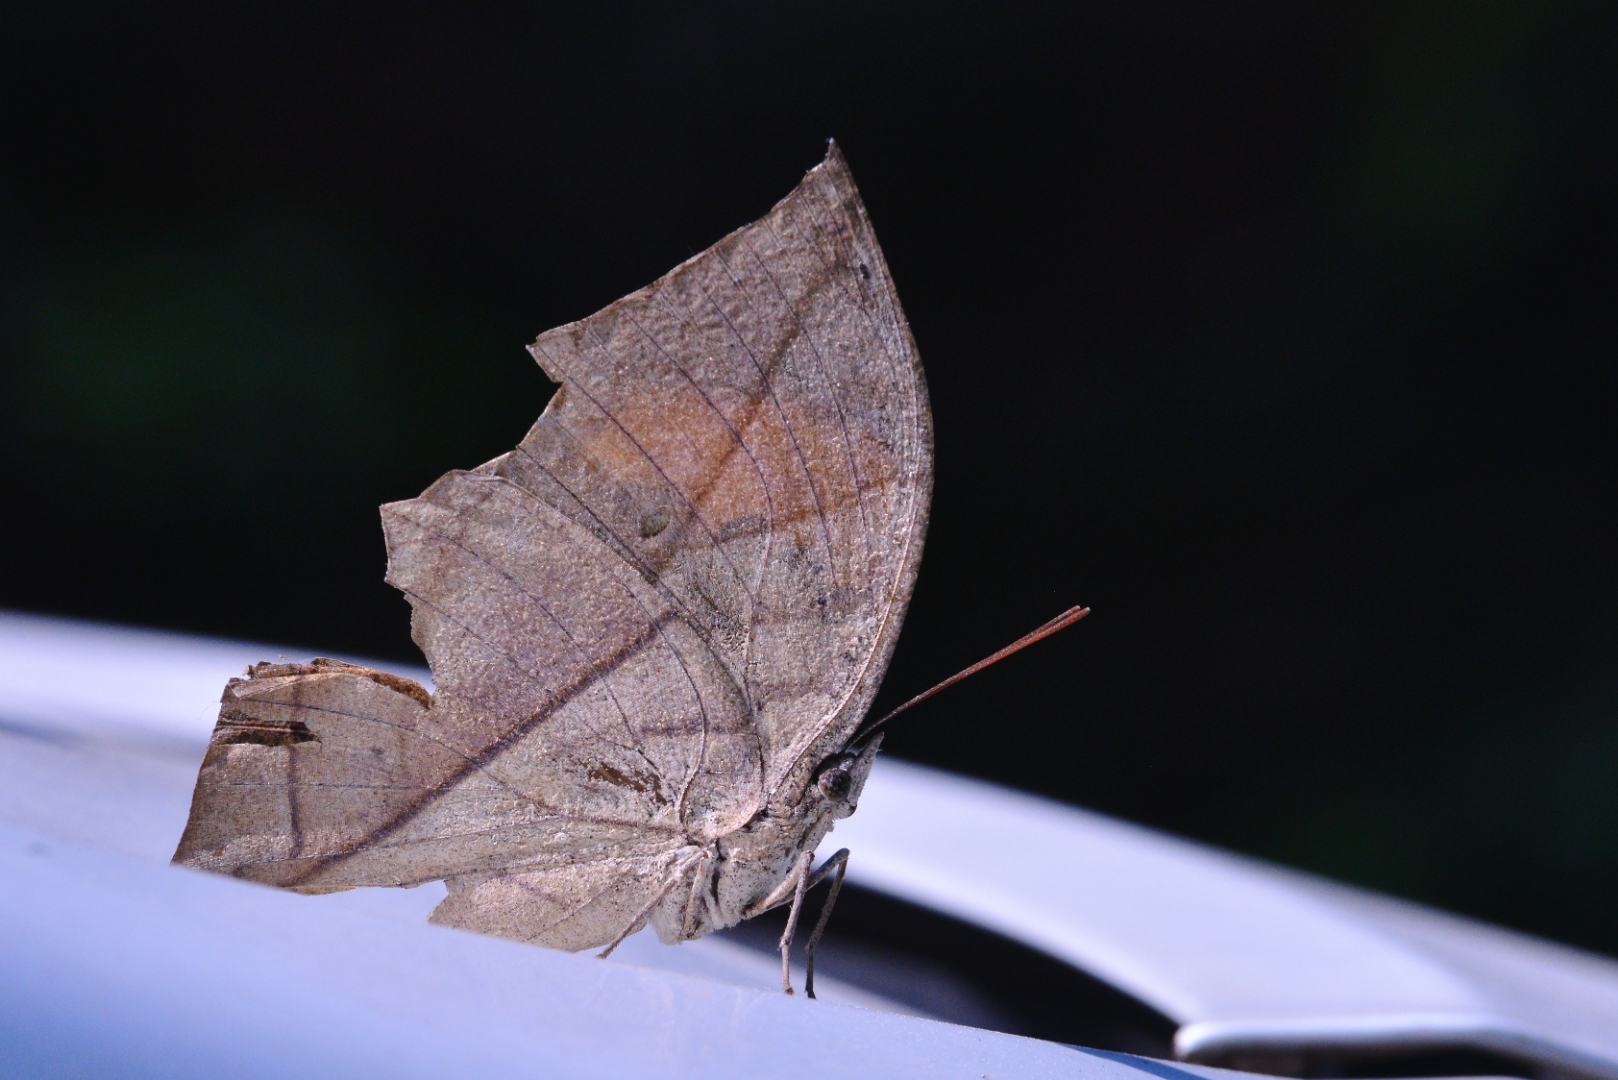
pixel 113 958
pixel 113 963
pixel 1244 956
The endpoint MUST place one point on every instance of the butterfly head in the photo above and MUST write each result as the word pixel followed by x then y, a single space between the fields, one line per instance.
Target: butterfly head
pixel 841 777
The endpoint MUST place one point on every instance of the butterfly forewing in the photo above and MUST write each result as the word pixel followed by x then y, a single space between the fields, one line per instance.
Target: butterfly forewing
pixel 752 431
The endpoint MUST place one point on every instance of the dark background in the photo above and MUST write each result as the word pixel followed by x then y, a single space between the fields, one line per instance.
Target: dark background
pixel 1282 334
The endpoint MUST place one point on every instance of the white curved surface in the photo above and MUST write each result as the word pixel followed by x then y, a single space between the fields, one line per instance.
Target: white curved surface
pixel 115 964
pixel 115 967
pixel 1243 955
pixel 107 726
pixel 101 729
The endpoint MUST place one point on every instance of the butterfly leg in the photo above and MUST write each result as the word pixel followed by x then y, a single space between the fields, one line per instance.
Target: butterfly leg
pixel 657 898
pixel 797 883
pixel 687 927
pixel 799 879
pixel 838 863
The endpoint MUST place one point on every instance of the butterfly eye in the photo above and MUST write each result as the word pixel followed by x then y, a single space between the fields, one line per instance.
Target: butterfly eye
pixel 835 782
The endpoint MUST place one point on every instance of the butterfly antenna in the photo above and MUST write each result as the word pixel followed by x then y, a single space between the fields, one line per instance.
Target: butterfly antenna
pixel 1061 622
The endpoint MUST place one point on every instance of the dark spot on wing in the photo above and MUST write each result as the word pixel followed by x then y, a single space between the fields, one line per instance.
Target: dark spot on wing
pixel 235 729
pixel 865 272
pixel 746 525
pixel 645 783
pixel 652 524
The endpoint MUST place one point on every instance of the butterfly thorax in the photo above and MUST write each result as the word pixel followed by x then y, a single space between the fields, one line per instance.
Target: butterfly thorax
pixel 732 876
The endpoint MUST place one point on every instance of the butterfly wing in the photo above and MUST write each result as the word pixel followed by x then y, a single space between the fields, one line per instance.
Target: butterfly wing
pixel 751 433
pixel 651 619
pixel 325 776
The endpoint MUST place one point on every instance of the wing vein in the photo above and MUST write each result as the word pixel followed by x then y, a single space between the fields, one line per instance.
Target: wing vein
pixel 830 386
pixel 696 515
pixel 481 760
pixel 786 424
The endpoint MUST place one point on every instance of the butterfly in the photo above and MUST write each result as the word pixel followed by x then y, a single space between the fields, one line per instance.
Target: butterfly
pixel 654 627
